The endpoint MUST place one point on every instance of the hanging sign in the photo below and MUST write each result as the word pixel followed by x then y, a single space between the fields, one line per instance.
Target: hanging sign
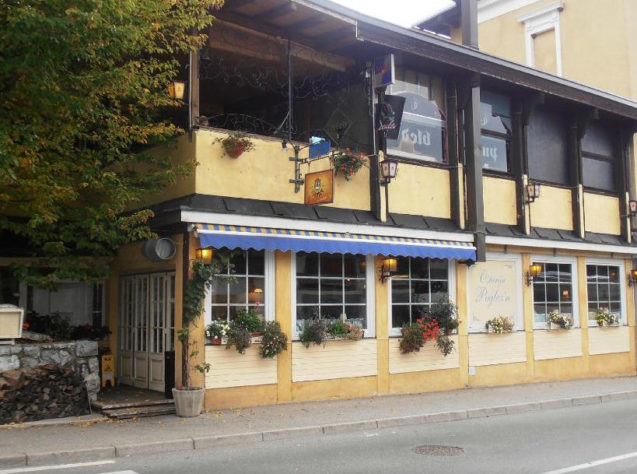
pixel 390 115
pixel 319 187
pixel 384 72
pixel 320 147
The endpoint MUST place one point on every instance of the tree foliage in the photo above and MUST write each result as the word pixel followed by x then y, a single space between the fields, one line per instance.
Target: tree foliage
pixel 82 97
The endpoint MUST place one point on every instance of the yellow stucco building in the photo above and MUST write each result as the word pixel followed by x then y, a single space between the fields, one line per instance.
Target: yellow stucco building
pixel 511 199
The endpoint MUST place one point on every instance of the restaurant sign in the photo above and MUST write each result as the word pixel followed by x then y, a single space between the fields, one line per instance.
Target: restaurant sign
pixel 494 290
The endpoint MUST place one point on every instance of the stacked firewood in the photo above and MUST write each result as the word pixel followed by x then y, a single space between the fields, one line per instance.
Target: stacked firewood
pixel 46 391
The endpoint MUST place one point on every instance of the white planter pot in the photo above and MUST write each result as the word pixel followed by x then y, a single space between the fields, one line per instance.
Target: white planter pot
pixel 188 403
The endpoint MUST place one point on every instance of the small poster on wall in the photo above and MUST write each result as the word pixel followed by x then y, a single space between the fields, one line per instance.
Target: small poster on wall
pixel 384 72
pixel 319 187
pixel 494 290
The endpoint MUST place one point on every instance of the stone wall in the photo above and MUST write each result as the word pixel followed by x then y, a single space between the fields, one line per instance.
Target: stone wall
pixel 81 356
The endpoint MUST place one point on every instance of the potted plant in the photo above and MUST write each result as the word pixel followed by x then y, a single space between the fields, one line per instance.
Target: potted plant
pixel 314 332
pixel 439 324
pixel 558 320
pixel 244 329
pixel 412 339
pixel 340 329
pixel 216 331
pixel 347 162
pixel 236 144
pixel 274 340
pixel 606 318
pixel 499 325
pixel 189 399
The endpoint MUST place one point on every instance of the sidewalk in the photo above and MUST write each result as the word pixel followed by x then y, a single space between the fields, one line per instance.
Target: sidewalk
pixel 90 440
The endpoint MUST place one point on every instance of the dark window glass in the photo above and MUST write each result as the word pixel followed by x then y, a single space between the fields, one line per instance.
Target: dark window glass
pixel 547 147
pixel 422 130
pixel 598 161
pixel 604 290
pixel 244 290
pixel 329 286
pixel 495 122
pixel 552 290
pixel 418 283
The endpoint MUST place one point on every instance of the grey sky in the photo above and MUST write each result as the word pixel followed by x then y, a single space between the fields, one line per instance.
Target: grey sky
pixel 401 12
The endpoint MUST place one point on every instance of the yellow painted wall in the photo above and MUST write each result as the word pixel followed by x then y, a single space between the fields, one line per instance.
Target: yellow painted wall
pixel 553 209
pixel 420 190
pixel 264 173
pixel 608 40
pixel 428 358
pixel 496 349
pixel 557 344
pixel 499 200
pixel 334 360
pixel 601 214
pixel 231 369
pixel 609 340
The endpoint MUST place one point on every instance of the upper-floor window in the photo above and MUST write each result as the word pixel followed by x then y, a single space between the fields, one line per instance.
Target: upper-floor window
pixel 422 133
pixel 598 158
pixel 495 122
pixel 547 147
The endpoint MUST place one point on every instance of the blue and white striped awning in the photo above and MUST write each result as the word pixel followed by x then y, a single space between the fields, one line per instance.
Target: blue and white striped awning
pixel 263 238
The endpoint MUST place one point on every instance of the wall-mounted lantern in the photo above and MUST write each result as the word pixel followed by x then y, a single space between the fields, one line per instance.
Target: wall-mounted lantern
pixel 532 192
pixel 632 277
pixel 205 255
pixel 388 268
pixel 176 90
pixel 388 171
pixel 535 269
pixel 632 207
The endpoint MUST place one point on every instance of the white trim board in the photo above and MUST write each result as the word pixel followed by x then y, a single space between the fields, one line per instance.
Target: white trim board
pixel 541 21
pixel 197 217
pixel 490 9
pixel 555 244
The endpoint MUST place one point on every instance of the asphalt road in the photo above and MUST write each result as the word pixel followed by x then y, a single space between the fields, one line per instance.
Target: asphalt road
pixel 557 441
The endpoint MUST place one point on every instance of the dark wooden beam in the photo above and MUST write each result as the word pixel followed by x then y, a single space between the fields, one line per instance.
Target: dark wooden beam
pixel 453 152
pixel 473 170
pixel 277 12
pixel 518 165
pixel 575 176
pixel 311 21
pixel 236 4
pixel 624 178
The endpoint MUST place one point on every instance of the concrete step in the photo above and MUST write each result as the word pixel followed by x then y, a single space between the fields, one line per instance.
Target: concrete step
pixel 138 412
pixel 104 405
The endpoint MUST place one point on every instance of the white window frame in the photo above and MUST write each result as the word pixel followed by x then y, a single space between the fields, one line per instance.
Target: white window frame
pixel 572 261
pixel 451 286
pixel 622 286
pixel 370 304
pixel 269 293
pixel 541 21
pixel 519 316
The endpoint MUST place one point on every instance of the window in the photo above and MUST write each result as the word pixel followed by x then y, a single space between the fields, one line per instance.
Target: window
pixel 417 284
pixel 598 161
pixel 241 286
pixel 79 303
pixel 605 289
pixel 331 286
pixel 496 131
pixel 553 290
pixel 547 147
pixel 422 131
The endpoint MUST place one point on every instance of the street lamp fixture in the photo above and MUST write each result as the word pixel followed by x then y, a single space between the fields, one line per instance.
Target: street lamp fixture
pixel 176 90
pixel 388 268
pixel 205 255
pixel 535 269
pixel 532 192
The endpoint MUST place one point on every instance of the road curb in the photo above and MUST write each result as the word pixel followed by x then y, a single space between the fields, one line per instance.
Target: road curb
pixel 208 442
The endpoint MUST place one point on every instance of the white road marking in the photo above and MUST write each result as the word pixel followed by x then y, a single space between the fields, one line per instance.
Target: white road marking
pixel 121 472
pixel 57 466
pixel 588 465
